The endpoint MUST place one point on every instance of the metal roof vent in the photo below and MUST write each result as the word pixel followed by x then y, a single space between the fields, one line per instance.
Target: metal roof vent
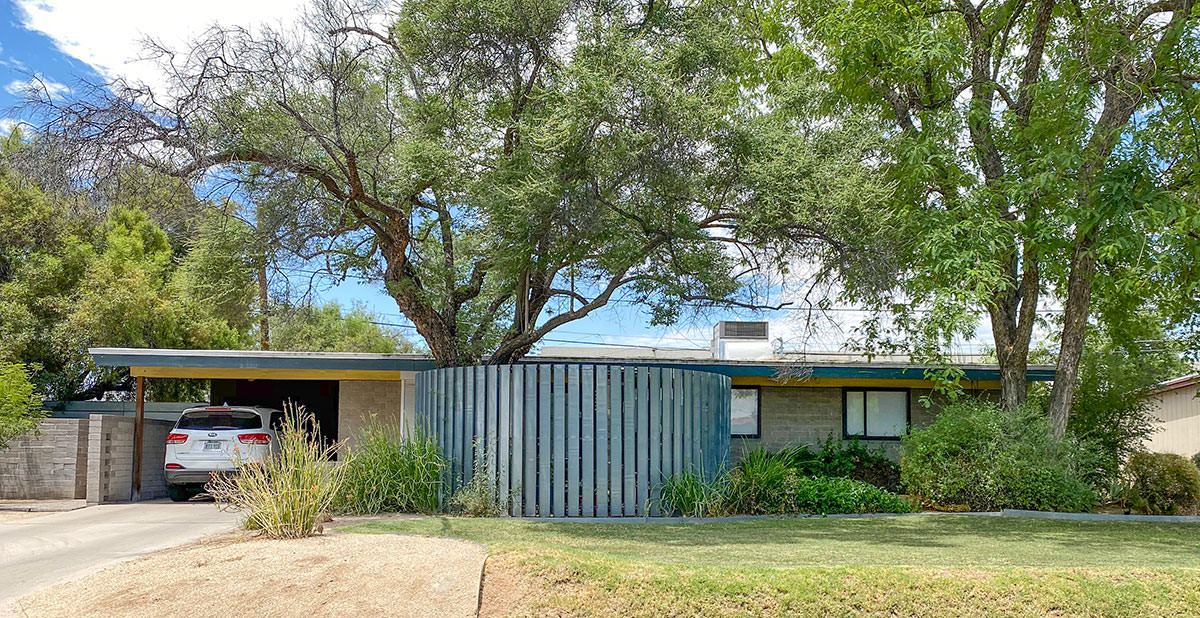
pixel 742 330
pixel 741 341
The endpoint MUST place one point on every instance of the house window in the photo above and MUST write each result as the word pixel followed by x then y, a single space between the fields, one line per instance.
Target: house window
pixel 745 412
pixel 879 414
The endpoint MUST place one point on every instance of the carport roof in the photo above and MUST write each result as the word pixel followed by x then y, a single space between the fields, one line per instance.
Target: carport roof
pixel 308 362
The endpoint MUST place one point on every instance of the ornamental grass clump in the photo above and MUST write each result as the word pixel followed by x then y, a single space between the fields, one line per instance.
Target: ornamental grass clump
pixel 392 471
pixel 290 493
pixel 479 496
pixel 691 494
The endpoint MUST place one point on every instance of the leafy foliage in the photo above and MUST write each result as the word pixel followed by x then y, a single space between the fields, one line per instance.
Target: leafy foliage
pixel 390 471
pixel 330 328
pixel 289 494
pixel 981 455
pixel 20 403
pixel 1023 150
pixel 1112 409
pixel 1162 484
pixel 844 458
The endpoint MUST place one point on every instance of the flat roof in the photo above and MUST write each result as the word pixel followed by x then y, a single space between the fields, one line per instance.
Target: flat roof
pixel 345 361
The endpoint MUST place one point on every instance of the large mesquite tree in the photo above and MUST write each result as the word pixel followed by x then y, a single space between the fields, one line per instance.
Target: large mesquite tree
pixel 1039 151
pixel 503 167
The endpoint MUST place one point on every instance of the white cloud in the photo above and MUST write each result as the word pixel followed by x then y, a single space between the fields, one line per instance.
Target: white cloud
pixel 108 36
pixel 7 125
pixel 19 87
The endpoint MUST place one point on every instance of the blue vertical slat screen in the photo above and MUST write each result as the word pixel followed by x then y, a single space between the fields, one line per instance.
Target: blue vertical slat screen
pixel 576 440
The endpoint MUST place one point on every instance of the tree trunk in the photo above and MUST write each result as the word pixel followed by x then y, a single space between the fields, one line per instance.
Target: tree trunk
pixel 1075 316
pixel 264 324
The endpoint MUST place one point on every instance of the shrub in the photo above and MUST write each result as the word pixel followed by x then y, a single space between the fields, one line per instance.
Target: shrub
pixel 20 403
pixel 479 497
pixel 388 471
pixel 844 458
pixel 1161 484
pixel 758 482
pixel 288 494
pixel 977 454
pixel 831 494
pixel 1196 459
pixel 690 494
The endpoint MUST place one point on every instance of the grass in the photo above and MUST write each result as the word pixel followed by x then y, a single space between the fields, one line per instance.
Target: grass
pixel 910 566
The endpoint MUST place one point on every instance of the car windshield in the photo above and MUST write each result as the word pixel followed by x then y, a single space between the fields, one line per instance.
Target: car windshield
pixel 219 419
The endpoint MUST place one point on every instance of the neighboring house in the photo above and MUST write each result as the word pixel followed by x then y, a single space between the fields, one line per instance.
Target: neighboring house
pixel 1177 415
pixel 775 401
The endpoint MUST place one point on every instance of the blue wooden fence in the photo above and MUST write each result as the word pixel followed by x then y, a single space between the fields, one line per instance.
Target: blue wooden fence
pixel 576 440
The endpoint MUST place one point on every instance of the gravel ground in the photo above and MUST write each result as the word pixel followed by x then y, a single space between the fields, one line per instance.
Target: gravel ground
pixel 241 575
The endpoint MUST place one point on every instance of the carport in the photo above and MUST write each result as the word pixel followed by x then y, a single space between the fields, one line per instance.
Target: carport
pixel 343 390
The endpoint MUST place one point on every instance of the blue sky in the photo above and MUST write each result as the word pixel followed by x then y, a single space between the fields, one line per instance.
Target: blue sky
pixel 65 41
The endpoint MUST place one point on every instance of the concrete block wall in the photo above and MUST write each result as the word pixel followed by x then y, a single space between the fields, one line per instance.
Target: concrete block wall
pixel 110 459
pixel 390 402
pixel 48 464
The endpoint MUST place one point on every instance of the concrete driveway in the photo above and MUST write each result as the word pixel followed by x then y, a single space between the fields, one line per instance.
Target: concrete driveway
pixel 42 551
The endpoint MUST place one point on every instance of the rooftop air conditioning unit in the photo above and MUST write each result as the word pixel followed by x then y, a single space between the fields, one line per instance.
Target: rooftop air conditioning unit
pixel 741 341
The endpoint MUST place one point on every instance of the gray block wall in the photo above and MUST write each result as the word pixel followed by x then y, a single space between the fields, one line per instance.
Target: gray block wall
pixel 110 459
pixel 48 464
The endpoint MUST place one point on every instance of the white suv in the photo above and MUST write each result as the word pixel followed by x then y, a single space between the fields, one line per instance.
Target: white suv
pixel 216 439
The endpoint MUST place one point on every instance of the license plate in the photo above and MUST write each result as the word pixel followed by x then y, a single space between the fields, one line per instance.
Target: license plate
pixel 212 445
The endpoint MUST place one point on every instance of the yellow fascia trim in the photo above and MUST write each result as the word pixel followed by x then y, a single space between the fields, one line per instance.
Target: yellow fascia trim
pixel 235 373
pixel 859 382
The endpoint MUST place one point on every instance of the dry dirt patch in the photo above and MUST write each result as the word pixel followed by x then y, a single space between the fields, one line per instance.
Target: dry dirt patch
pixel 237 575
pixel 7 516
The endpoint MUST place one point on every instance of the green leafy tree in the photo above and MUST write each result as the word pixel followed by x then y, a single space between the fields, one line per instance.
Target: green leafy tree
pixel 327 328
pixel 1035 150
pixel 20 402
pixel 501 167
pixel 1112 407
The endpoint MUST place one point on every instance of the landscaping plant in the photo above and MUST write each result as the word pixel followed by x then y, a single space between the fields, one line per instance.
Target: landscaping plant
pixel 844 458
pixel 1162 484
pixel 691 494
pixel 391 471
pixel 20 402
pixel 978 454
pixel 479 496
pixel 290 493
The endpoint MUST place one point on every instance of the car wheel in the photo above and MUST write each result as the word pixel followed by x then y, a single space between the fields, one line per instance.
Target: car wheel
pixel 179 493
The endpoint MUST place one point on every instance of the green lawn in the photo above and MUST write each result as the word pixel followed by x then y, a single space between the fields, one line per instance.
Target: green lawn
pixel 908 566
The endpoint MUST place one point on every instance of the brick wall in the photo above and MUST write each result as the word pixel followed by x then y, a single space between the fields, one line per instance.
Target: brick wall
pixel 794 415
pixel 48 464
pixel 110 459
pixel 387 401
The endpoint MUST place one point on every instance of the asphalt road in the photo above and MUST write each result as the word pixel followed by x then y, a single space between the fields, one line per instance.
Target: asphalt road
pixel 42 551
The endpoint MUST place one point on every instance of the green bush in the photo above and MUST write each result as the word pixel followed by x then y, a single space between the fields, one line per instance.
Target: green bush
pixel 844 458
pixel 1161 484
pixel 20 402
pixel 690 494
pixel 977 454
pixel 290 493
pixel 479 497
pixel 388 471
pixel 832 494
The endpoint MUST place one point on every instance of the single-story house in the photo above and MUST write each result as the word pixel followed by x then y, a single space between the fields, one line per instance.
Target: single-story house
pixel 775 400
pixel 587 421
pixel 1177 416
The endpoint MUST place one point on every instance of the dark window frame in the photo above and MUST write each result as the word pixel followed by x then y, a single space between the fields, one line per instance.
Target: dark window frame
pixel 757 414
pixel 846 435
